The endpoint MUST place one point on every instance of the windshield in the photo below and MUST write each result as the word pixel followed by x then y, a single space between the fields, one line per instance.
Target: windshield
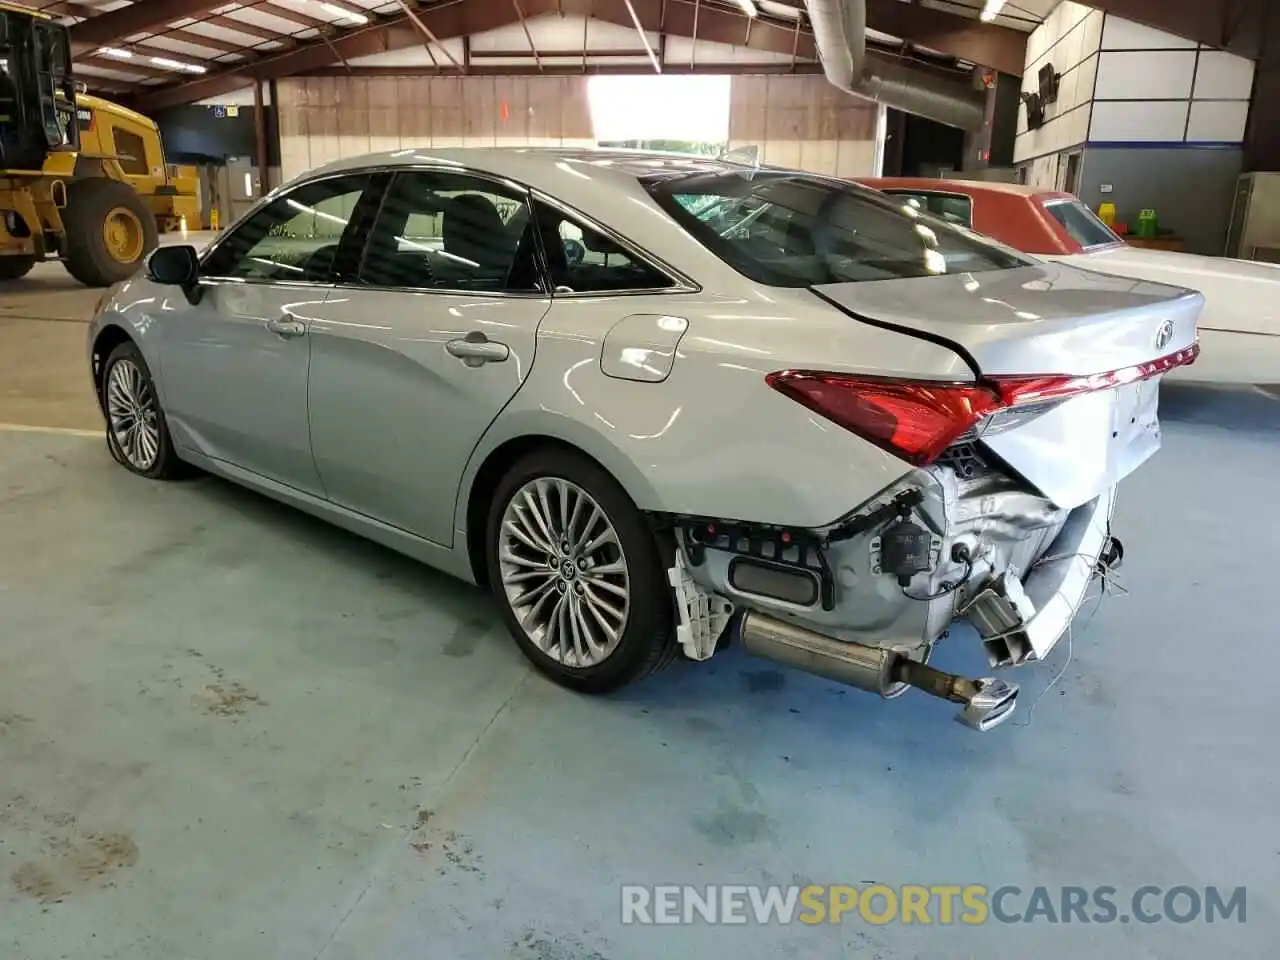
pixel 795 230
pixel 1081 223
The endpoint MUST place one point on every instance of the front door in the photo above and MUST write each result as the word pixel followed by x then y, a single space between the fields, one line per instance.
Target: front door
pixel 411 364
pixel 235 365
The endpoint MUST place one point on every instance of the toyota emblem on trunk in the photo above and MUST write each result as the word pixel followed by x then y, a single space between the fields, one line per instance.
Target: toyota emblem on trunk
pixel 1164 335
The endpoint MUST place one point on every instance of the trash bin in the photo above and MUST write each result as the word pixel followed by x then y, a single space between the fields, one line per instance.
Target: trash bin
pixel 1148 224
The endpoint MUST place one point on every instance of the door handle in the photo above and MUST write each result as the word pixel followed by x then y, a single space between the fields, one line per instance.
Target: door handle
pixel 475 349
pixel 286 327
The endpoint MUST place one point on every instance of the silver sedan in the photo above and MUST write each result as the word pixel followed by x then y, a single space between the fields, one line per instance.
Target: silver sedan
pixel 656 404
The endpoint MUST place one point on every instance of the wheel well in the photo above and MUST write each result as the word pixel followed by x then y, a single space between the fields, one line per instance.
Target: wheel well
pixel 110 338
pixel 486 483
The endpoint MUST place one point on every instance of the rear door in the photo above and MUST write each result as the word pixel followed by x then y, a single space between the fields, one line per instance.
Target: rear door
pixel 413 359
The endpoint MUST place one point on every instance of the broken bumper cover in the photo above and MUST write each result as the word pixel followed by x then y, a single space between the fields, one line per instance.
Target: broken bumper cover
pixel 1022 619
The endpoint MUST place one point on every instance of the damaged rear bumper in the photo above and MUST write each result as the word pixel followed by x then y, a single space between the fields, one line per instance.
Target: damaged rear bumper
pixel 1021 618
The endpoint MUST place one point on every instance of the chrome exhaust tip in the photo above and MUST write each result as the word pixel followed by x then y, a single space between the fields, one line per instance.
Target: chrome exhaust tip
pixel 990 706
pixel 985 703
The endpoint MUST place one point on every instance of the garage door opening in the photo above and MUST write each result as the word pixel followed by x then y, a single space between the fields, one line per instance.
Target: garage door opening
pixel 686 114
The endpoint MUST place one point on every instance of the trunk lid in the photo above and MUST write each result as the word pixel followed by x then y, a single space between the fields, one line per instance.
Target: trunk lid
pixel 1040 319
pixel 1049 319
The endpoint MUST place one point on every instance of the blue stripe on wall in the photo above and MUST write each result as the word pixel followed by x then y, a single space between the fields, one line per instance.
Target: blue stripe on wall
pixel 1163 145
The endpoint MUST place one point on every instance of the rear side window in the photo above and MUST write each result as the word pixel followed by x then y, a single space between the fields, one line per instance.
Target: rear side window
pixel 796 230
pixel 584 260
pixel 950 207
pixel 1081 223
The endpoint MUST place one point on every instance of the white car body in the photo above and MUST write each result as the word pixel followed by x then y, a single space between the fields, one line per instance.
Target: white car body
pixel 1240 324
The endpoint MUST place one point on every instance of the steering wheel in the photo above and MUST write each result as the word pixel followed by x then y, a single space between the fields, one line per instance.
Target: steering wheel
pixel 574 251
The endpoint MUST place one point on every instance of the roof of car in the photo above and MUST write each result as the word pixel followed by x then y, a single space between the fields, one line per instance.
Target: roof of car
pixel 966 186
pixel 549 168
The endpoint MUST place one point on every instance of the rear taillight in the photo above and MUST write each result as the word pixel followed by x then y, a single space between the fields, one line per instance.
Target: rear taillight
pixel 914 419
pixel 918 419
pixel 1038 389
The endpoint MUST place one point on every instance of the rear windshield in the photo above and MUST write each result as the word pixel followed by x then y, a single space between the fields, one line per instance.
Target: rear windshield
pixel 794 230
pixel 1081 223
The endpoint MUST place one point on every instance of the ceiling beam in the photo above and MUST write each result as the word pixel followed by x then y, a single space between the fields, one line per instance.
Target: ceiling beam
pixel 530 69
pixel 145 16
pixel 459 18
pixel 444 21
pixel 965 38
pixel 1235 25
pixel 304 20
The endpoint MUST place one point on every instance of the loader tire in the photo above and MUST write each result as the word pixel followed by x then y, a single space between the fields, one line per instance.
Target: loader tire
pixel 16 266
pixel 109 231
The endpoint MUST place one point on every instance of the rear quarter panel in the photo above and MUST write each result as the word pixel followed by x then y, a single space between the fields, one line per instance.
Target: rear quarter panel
pixel 713 439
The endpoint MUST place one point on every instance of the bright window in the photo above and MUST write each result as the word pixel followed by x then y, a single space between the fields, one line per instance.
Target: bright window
pixel 656 110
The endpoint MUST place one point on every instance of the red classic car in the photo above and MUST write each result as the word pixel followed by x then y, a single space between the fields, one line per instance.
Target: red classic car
pixel 1042 222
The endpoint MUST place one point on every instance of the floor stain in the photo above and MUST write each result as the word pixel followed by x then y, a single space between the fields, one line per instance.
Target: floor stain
pixel 72 863
pixel 10 722
pixel 456 849
pixel 763 681
pixel 733 825
pixel 467 637
pixel 703 727
pixel 537 945
pixel 222 697
pixel 227 700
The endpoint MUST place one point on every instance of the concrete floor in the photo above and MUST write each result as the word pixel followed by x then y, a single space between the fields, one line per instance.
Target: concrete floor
pixel 228 730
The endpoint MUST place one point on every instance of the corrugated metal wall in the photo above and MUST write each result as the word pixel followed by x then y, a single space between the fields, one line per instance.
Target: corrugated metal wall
pixel 800 121
pixel 325 118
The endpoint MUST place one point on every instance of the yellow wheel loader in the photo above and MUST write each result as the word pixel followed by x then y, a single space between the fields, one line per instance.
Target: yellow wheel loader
pixel 81 179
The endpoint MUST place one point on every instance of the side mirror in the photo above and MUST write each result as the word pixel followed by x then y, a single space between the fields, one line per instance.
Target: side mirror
pixel 176 266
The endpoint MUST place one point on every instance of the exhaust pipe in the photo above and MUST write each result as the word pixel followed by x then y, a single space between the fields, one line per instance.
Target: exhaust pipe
pixel 985 702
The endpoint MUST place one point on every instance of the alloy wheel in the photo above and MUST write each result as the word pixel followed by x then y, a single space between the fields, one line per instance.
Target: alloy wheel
pixel 133 415
pixel 564 572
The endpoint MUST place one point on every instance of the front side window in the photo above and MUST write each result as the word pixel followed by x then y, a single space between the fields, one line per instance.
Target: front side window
pixel 584 260
pixel 451 231
pixel 1081 223
pixel 798 230
pixel 294 237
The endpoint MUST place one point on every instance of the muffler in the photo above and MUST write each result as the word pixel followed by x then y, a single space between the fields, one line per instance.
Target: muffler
pixel 985 702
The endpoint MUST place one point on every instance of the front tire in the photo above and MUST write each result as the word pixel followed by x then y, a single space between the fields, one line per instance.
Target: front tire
pixel 137 433
pixel 578 573
pixel 109 231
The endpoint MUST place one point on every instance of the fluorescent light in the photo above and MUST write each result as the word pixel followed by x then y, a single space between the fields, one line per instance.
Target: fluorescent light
pixel 176 65
pixel 749 8
pixel 116 52
pixel 343 13
pixel 991 10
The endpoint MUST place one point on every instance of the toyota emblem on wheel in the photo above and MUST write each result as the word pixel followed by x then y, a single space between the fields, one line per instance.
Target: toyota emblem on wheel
pixel 1164 334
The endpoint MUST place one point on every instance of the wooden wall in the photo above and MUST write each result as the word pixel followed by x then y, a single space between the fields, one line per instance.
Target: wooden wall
pixel 800 120
pixel 796 120
pixel 325 118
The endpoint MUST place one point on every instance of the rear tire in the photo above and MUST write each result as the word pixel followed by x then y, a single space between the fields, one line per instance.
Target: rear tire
pixel 16 267
pixel 108 231
pixel 578 573
pixel 137 432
